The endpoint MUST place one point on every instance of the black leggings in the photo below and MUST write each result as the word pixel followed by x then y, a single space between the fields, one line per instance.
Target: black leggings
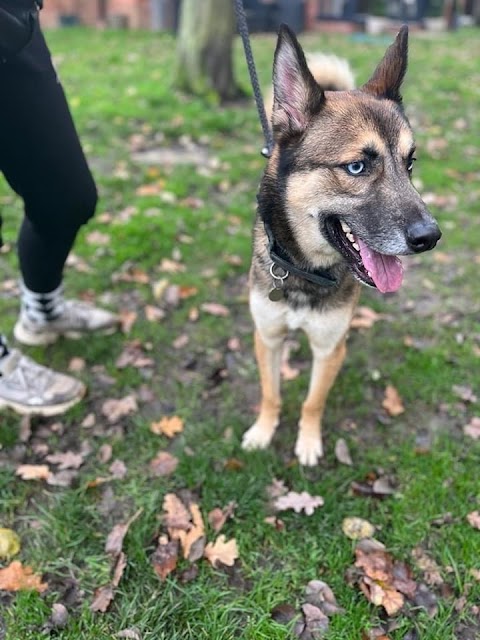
pixel 42 160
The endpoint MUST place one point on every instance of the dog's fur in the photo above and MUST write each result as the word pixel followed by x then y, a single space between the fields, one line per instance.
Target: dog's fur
pixel 336 195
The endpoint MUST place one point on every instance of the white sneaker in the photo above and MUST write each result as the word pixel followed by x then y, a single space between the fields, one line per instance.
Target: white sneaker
pixel 31 389
pixel 77 319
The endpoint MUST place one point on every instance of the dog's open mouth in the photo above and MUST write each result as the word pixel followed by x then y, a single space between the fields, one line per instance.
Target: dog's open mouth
pixel 369 266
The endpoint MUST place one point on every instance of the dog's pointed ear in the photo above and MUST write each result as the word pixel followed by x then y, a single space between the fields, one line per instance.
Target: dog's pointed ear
pixel 296 95
pixel 388 76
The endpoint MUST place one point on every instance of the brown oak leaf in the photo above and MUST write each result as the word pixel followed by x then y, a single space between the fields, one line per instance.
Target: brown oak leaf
pixel 392 402
pixel 17 577
pixel 168 426
pixel 222 551
pixel 298 502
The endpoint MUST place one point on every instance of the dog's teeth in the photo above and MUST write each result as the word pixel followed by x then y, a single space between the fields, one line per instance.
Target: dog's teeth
pixel 345 227
pixel 355 246
pixel 350 236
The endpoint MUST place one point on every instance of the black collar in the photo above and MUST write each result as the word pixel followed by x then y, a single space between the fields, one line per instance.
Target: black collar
pixel 280 256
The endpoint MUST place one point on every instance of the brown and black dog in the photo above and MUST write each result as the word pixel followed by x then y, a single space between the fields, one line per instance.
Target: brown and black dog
pixel 336 206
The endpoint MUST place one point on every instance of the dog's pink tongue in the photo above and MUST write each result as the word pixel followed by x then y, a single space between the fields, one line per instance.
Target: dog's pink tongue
pixel 385 271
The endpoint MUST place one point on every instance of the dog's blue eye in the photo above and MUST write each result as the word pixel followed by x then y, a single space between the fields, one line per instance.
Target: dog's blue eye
pixel 356 168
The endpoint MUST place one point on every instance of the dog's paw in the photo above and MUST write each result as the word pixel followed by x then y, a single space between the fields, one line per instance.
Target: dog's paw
pixel 257 437
pixel 308 450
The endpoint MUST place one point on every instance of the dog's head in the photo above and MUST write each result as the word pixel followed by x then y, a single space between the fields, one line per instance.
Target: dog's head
pixel 343 161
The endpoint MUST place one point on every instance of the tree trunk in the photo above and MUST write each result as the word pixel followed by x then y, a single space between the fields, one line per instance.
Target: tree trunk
pixel 204 49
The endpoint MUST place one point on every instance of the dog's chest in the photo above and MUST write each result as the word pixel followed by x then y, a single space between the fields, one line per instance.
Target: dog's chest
pixel 276 318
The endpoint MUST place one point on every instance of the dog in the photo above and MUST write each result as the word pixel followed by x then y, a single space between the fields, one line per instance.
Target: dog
pixel 336 207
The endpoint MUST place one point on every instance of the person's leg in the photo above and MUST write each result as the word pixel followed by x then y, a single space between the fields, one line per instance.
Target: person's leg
pixel 43 161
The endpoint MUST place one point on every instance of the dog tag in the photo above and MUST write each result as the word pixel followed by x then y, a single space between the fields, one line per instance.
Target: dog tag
pixel 275 294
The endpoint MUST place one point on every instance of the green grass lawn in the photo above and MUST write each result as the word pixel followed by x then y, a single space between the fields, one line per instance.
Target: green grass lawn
pixel 426 345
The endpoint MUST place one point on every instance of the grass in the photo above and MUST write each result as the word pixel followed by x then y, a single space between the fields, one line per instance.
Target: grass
pixel 119 86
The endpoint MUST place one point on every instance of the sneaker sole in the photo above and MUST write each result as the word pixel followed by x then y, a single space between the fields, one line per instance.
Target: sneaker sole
pixel 45 411
pixel 31 339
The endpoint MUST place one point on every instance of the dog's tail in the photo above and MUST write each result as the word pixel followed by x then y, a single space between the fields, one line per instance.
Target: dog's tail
pixel 331 73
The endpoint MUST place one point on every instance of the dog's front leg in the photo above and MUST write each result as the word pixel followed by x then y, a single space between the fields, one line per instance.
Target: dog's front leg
pixel 269 355
pixel 325 368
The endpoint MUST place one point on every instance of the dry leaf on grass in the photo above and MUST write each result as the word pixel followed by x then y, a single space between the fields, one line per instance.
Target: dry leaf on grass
pixel 222 551
pixel 472 429
pixel 320 595
pixel 104 595
pixel 154 314
pixel 177 516
pixel 168 426
pixel 33 472
pixel 357 528
pixel 298 502
pixel 384 581
pixel 114 409
pixel 431 570
pixel 76 365
pixel 163 464
pixel 114 543
pixel 217 517
pixel 67 460
pixel 474 519
pixel 392 403
pixel 364 318
pixel 16 577
pixel 193 540
pixel 342 452
pixel 215 309
pixel 165 557
pixel 9 543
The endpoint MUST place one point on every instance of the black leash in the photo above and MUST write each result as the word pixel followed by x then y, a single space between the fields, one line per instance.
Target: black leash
pixel 257 92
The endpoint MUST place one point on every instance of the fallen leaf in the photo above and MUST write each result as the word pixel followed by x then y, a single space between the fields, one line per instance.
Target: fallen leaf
pixel 102 599
pixel 320 595
pixel 316 622
pixel 154 314
pixel 67 460
pixel 89 421
pixel 472 429
pixel 217 517
pixel 276 489
pixel 430 568
pixel 464 392
pixel 165 557
pixel 98 238
pixel 474 519
pixel 118 469
pixel 168 426
pixel 364 318
pixel 114 543
pixel 76 365
pixel 33 471
pixel 193 540
pixel 392 402
pixel 62 478
pixel 163 464
pixel 127 320
pixel 16 577
pixel 113 409
pixel 357 528
pixel 9 543
pixel 177 516
pixel 342 453
pixel 215 309
pixel 222 551
pixel 299 502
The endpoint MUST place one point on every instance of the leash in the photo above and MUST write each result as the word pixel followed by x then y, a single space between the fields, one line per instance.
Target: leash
pixel 257 92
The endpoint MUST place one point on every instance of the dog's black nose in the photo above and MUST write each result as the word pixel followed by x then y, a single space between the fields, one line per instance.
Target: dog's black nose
pixel 423 236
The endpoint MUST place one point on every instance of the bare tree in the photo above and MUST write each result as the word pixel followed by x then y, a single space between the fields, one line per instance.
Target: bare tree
pixel 204 48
